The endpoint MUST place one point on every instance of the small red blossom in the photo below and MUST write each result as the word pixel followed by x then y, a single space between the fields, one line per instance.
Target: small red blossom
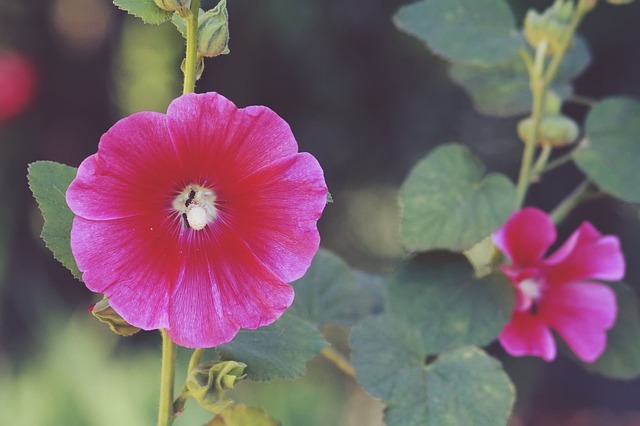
pixel 195 221
pixel 17 84
pixel 557 292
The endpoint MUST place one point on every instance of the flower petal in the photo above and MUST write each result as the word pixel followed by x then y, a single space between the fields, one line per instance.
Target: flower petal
pixel 133 156
pixel 211 133
pixel 585 254
pixel 131 262
pixel 526 236
pixel 275 210
pixel 526 334
pixel 201 284
pixel 581 313
pixel 224 288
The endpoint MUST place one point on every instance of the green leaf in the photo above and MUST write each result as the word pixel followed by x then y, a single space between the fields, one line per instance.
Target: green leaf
pixel 503 90
pixel 438 293
pixel 609 156
pixel 145 10
pixel 330 292
pixel 479 32
pixel 278 351
pixel 460 387
pixel 48 182
pixel 447 203
pixel 621 359
pixel 382 346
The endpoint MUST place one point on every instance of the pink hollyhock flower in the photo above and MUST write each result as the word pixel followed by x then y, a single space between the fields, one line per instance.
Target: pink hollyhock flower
pixel 17 84
pixel 557 292
pixel 195 221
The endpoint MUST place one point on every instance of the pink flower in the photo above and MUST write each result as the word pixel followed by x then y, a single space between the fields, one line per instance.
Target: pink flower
pixel 195 221
pixel 557 293
pixel 17 84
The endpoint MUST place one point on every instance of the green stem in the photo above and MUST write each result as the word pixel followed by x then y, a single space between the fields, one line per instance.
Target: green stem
pixel 565 43
pixel 178 405
pixel 582 100
pixel 559 161
pixel 339 361
pixel 577 196
pixel 538 90
pixel 191 57
pixel 165 411
pixel 541 162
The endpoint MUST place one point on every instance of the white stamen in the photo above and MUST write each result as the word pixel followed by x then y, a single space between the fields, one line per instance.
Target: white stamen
pixel 197 205
pixel 531 288
pixel 197 216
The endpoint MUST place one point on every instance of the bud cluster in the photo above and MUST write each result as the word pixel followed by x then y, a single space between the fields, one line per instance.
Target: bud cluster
pixel 555 129
pixel 551 26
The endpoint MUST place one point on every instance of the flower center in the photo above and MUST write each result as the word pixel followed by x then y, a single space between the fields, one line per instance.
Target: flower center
pixel 196 204
pixel 530 292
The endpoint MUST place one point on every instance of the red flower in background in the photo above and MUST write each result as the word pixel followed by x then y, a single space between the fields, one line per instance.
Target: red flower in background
pixel 17 84
pixel 195 221
pixel 557 292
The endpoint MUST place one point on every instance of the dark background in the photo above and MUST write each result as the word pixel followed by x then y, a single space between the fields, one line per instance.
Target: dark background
pixel 365 99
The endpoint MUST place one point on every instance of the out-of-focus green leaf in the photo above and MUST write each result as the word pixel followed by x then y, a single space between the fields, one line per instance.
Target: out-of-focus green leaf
pixel 460 387
pixel 479 32
pixel 145 10
pixel 448 203
pixel 502 90
pixel 330 292
pixel 49 182
pixel 438 293
pixel 278 351
pixel 609 156
pixel 621 359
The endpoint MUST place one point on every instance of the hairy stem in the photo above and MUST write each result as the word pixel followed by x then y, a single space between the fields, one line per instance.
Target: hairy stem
pixel 191 57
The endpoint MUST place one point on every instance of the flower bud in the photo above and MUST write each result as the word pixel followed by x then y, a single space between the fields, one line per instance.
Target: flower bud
pixel 208 382
pixel 106 314
pixel 213 31
pixel 619 2
pixel 173 5
pixel 552 103
pixel 550 25
pixel 555 130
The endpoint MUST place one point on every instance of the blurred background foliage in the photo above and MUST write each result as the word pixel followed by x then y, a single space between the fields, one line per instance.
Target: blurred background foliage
pixel 365 99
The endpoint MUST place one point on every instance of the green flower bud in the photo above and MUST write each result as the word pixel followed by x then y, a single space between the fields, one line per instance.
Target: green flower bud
pixel 209 381
pixel 552 103
pixel 213 31
pixel 105 313
pixel 173 5
pixel 555 131
pixel 550 26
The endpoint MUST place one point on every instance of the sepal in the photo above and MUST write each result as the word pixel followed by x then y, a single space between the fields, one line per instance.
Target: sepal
pixel 106 314
pixel 208 382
